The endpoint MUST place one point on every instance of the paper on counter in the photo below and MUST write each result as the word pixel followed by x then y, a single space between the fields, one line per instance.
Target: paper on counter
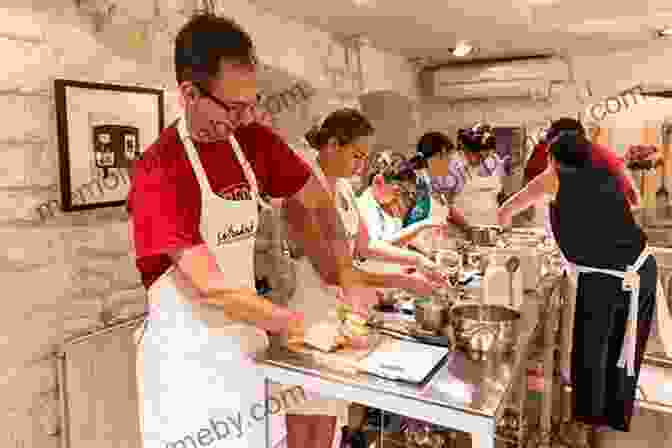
pixel 405 360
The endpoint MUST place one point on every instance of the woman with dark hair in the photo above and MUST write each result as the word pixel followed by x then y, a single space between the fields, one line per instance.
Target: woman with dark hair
pixel 472 182
pixel 432 161
pixel 592 222
pixel 430 145
pixel 337 315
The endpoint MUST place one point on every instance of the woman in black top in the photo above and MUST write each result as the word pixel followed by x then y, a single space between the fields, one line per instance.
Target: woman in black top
pixel 593 225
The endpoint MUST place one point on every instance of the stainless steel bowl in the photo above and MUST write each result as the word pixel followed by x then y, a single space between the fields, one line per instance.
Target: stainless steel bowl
pixel 485 235
pixel 432 316
pixel 487 328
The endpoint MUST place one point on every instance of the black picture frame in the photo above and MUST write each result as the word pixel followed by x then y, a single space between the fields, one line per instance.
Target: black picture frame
pixel 73 133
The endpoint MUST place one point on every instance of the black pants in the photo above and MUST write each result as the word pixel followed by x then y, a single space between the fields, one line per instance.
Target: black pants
pixel 603 393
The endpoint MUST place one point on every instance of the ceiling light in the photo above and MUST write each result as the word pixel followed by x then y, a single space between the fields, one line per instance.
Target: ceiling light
pixel 462 49
pixel 665 32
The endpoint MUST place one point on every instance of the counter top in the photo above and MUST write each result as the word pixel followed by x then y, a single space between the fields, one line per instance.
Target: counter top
pixel 461 384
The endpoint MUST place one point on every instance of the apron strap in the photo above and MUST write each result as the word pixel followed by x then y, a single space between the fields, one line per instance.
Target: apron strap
pixel 192 153
pixel 628 349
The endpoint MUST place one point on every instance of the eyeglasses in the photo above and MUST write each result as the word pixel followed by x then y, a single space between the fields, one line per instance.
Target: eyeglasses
pixel 399 178
pixel 237 107
pixel 358 154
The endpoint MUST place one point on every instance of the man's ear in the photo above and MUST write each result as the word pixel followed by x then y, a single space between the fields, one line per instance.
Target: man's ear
pixel 188 91
pixel 378 181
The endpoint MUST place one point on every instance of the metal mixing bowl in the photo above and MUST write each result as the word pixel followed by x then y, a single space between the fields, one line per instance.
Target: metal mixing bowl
pixel 432 316
pixel 485 235
pixel 485 328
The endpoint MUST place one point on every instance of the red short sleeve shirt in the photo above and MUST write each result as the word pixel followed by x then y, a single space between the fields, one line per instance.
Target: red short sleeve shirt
pixel 165 199
pixel 604 157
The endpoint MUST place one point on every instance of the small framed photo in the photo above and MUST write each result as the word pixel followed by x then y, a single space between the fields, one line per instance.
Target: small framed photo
pixel 102 129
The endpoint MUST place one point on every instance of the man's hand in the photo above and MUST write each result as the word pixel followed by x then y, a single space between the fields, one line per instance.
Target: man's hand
pixel 421 285
pixel 504 217
pixel 360 299
pixel 430 270
pixel 295 331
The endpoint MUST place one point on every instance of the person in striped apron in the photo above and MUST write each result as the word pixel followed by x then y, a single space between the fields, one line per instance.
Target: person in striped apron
pixel 592 222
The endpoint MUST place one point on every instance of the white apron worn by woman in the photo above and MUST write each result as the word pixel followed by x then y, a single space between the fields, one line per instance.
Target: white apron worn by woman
pixel 195 379
pixel 318 302
pixel 478 199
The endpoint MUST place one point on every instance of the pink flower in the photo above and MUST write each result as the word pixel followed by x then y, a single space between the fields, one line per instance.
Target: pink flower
pixel 640 152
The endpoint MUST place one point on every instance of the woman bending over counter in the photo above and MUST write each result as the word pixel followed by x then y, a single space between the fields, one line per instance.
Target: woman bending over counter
pixel 592 223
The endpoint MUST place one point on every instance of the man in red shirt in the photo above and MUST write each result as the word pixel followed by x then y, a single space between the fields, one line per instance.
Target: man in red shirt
pixel 194 214
pixel 537 162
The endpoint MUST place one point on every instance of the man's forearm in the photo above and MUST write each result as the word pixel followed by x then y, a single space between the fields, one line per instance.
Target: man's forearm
pixel 384 251
pixel 408 234
pixel 457 218
pixel 525 198
pixel 325 243
pixel 352 277
pixel 321 236
pixel 246 306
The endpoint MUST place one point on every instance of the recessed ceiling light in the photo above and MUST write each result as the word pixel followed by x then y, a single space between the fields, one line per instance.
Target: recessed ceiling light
pixel 462 49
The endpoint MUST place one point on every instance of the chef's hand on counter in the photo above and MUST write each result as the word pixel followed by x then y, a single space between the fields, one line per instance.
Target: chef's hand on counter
pixel 420 284
pixel 504 216
pixel 295 330
pixel 430 270
pixel 457 219
pixel 360 299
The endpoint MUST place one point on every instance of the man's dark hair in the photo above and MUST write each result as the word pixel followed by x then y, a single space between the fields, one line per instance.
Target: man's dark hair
pixel 205 41
pixel 431 144
pixel 565 124
pixel 345 125
pixel 568 142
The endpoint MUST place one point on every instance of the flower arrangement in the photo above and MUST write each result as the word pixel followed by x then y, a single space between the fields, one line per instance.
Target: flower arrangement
pixel 642 157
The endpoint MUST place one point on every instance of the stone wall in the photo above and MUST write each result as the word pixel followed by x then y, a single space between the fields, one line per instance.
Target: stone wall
pixel 73 273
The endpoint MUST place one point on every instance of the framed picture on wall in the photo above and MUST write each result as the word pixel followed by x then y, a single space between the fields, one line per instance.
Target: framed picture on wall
pixel 102 129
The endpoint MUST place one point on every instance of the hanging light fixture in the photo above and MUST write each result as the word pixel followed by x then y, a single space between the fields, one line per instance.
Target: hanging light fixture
pixel 463 49
pixel 363 3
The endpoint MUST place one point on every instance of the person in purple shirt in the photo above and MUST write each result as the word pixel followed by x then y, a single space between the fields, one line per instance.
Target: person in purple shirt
pixel 455 180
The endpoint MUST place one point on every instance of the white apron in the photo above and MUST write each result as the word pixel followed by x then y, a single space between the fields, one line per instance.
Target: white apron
pixel 195 376
pixel 318 302
pixel 478 199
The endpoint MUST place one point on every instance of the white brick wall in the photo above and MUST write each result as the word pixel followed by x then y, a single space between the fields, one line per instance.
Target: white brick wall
pixel 65 276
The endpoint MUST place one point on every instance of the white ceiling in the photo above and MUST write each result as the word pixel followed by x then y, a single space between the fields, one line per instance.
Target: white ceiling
pixel 429 28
